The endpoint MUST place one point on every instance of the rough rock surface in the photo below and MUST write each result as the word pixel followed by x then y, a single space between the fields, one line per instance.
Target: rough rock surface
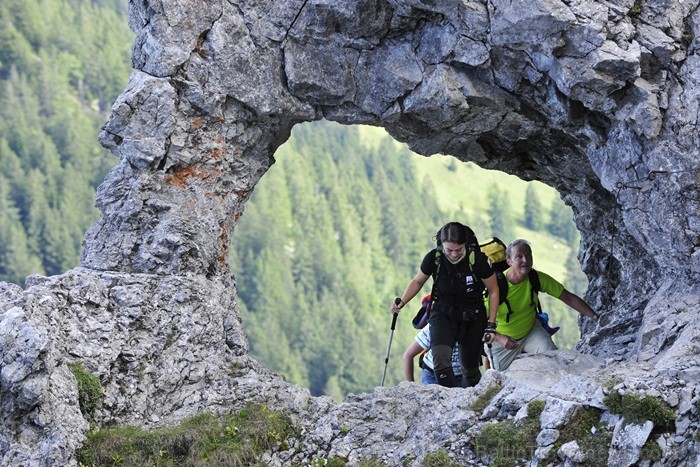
pixel 599 99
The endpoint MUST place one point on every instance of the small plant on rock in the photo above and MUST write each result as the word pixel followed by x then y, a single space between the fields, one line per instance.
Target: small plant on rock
pixel 637 409
pixel 636 8
pixel 651 451
pixel 484 399
pixel 507 442
pixel 90 390
pixel 587 430
pixel 438 459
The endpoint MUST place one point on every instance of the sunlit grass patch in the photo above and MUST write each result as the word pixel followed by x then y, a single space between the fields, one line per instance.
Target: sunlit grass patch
pixel 507 442
pixel 637 409
pixel 484 399
pixel 204 440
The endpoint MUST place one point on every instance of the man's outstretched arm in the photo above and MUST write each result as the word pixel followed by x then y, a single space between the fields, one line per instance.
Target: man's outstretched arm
pixel 578 304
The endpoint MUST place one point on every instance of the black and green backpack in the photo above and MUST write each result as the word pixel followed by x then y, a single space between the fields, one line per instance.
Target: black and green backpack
pixel 495 251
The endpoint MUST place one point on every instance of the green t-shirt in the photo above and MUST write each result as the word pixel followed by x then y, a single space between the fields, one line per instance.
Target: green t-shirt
pixel 524 310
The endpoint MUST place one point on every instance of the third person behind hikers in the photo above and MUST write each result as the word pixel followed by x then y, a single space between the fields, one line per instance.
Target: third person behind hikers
pixel 460 272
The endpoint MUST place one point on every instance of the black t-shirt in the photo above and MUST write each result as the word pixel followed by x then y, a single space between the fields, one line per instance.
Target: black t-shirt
pixel 458 285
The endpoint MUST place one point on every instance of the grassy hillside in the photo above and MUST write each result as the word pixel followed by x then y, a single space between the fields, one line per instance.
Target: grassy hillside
pixel 460 190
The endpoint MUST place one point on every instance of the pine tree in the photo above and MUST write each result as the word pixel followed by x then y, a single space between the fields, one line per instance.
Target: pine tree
pixel 533 209
pixel 16 261
pixel 561 222
pixel 502 222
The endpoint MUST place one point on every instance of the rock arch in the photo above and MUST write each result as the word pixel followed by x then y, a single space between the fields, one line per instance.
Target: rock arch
pixel 597 99
pixel 592 98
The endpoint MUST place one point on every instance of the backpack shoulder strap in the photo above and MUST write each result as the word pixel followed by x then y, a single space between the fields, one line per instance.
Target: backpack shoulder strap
pixel 534 281
pixel 438 254
pixel 473 246
pixel 535 288
pixel 503 293
pixel 502 287
pixel 510 310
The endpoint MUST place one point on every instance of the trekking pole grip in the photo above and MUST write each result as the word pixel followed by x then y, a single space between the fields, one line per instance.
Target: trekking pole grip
pixel 397 300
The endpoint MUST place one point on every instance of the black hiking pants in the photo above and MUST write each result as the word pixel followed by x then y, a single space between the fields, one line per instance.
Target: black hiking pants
pixel 452 325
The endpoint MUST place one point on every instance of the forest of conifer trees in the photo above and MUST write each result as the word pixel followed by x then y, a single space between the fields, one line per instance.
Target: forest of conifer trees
pixel 332 233
pixel 62 64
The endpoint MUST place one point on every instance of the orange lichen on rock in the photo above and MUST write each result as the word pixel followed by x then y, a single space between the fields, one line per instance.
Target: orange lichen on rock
pixel 180 176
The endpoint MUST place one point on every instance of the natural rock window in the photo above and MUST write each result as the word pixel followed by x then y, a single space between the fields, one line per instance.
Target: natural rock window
pixel 596 99
pixel 342 219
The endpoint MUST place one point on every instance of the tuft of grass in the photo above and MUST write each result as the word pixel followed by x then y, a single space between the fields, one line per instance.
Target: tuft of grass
pixel 484 399
pixel 651 451
pixel 204 440
pixel 637 409
pixel 335 461
pixel 636 8
pixel 506 442
pixel 236 367
pixel 587 430
pixel 438 459
pixel 90 390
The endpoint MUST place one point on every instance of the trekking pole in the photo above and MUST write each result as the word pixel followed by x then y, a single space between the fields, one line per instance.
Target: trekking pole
pixel 491 356
pixel 391 337
pixel 487 337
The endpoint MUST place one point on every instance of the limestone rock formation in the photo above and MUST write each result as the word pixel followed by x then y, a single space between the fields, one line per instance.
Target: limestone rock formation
pixel 598 99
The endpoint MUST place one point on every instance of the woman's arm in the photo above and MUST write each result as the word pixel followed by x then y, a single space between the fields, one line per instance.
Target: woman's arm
pixel 412 289
pixel 491 284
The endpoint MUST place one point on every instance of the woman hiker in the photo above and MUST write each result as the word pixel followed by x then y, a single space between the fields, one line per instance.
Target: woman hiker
pixel 458 315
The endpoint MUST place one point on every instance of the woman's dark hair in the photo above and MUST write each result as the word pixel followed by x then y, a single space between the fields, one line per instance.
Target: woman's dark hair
pixel 454 232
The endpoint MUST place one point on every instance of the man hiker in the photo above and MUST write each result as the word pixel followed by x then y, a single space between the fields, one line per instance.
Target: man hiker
pixel 514 328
